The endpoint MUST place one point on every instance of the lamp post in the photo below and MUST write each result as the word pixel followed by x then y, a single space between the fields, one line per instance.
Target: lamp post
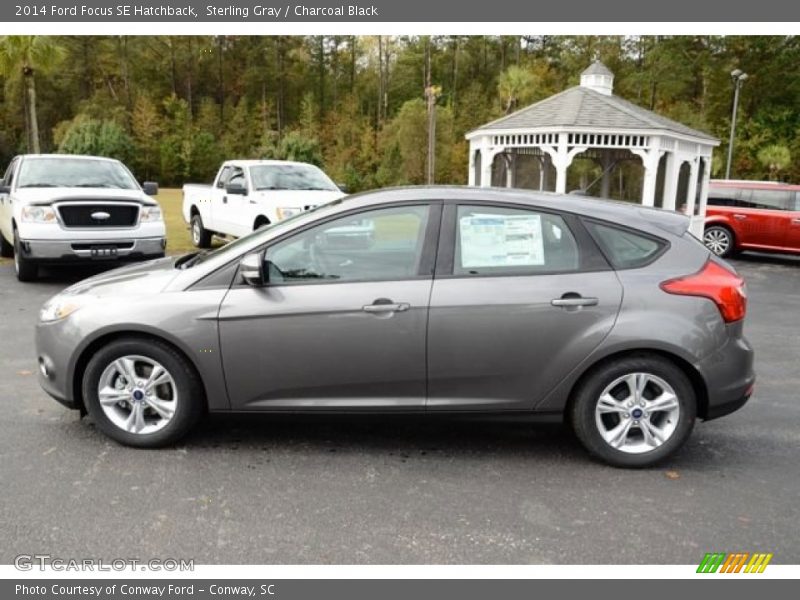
pixel 738 77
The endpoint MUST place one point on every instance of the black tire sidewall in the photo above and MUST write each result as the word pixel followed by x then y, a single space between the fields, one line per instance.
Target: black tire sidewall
pixel 190 399
pixel 6 248
pixel 26 270
pixel 204 236
pixel 583 410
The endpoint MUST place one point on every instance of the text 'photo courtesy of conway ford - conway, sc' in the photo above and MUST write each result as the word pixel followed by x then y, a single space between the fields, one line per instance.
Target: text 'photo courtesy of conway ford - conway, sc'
pixel 612 317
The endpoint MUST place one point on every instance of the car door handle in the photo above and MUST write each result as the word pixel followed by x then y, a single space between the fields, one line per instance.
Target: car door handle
pixel 796 221
pixel 224 199
pixel 573 301
pixel 740 217
pixel 384 307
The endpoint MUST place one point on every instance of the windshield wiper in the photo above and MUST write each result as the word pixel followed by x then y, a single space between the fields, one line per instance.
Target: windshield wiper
pixel 187 260
pixel 98 185
pixel 39 185
pixel 271 187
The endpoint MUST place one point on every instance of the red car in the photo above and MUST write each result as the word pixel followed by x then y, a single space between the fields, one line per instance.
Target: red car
pixel 752 215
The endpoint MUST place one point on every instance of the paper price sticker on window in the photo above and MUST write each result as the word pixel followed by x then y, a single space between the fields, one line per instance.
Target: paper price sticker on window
pixel 501 241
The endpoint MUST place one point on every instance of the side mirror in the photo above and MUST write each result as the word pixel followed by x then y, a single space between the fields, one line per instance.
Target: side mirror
pixel 236 189
pixel 343 187
pixel 5 189
pixel 251 268
pixel 150 188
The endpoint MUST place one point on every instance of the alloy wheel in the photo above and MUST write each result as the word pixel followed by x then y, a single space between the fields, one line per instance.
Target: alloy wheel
pixel 637 413
pixel 137 394
pixel 717 240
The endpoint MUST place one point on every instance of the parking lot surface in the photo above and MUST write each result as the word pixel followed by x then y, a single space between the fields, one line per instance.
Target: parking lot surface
pixel 367 490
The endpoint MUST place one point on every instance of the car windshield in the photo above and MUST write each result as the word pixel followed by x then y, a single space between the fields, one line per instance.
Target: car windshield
pixel 74 172
pixel 290 177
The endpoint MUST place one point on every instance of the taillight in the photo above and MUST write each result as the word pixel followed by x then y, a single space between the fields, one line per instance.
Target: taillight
pixel 716 283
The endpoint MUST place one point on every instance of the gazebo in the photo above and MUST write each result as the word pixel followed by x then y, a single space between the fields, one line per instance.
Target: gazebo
pixel 589 122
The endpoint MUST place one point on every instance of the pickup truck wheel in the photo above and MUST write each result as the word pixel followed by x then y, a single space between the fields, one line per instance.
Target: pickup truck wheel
pixel 6 249
pixel 201 237
pixel 719 240
pixel 25 269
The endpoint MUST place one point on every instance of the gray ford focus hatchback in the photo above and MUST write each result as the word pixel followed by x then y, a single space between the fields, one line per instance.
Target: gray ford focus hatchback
pixel 435 299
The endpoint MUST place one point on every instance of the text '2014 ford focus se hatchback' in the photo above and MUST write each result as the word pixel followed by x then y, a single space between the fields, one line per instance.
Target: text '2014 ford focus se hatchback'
pixel 467 300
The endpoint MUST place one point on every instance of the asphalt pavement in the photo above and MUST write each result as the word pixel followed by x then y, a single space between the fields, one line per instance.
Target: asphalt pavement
pixel 400 490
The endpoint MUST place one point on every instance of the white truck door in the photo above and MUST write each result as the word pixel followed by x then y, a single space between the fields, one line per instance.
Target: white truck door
pixel 5 202
pixel 235 204
pixel 218 221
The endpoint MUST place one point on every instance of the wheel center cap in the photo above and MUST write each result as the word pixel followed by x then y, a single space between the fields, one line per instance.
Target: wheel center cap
pixel 138 395
pixel 637 413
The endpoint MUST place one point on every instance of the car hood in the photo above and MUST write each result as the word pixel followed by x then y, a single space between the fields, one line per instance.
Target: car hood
pixel 60 194
pixel 139 279
pixel 295 198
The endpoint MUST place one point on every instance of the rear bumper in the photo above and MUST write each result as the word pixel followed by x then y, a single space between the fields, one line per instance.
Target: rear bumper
pixel 729 375
pixel 81 250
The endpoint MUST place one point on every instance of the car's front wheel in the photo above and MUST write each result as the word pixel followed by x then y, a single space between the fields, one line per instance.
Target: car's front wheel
pixel 6 249
pixel 142 392
pixel 719 240
pixel 25 269
pixel 634 412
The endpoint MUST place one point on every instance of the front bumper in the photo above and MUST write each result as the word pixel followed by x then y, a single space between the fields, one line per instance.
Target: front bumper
pixel 87 250
pixel 54 348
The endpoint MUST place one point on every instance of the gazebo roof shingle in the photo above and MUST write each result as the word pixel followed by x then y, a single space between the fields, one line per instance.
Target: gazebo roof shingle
pixel 581 106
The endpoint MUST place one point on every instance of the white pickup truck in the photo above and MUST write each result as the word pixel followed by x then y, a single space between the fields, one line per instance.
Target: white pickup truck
pixel 61 207
pixel 248 194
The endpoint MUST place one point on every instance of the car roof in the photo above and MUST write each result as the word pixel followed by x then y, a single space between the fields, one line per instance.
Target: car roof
pixel 754 185
pixel 70 156
pixel 624 213
pixel 250 162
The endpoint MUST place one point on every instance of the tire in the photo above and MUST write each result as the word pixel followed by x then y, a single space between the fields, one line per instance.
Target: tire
pixel 201 237
pixel 260 222
pixel 6 249
pixel 595 422
pixel 25 269
pixel 719 240
pixel 179 396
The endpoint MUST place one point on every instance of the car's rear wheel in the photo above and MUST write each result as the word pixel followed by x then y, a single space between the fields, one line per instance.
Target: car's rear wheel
pixel 719 240
pixel 6 249
pixel 634 412
pixel 201 237
pixel 142 393
pixel 25 269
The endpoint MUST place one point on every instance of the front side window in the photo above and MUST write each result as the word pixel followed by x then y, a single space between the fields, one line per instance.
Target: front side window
pixel 383 244
pixel 223 177
pixel 496 241
pixel 237 178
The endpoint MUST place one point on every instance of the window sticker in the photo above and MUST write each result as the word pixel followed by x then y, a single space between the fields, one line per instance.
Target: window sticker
pixel 501 241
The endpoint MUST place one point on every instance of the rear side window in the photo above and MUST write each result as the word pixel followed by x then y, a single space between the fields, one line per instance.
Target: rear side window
pixel 750 198
pixel 625 249
pixel 498 241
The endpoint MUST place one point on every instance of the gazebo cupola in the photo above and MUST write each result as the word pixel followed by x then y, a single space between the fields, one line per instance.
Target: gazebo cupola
pixel 535 147
pixel 599 78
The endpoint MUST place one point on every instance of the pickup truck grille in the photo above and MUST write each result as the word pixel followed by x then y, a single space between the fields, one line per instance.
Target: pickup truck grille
pixel 99 215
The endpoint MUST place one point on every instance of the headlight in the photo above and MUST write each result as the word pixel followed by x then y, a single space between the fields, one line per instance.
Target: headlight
pixel 60 307
pixel 286 212
pixel 38 214
pixel 150 214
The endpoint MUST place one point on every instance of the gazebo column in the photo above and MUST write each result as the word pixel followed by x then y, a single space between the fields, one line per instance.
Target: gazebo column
pixel 471 176
pixel 703 197
pixel 562 158
pixel 650 159
pixel 671 176
pixel 606 162
pixel 487 160
pixel 691 192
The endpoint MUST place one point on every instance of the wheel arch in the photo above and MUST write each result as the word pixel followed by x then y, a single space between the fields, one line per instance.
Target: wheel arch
pixel 92 347
pixel 260 221
pixel 694 376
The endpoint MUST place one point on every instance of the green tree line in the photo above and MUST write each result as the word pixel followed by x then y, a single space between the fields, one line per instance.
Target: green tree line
pixel 173 107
